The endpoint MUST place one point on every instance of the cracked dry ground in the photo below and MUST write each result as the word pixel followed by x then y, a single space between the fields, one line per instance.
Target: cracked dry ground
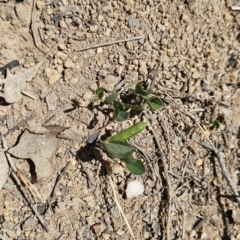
pixel 197 45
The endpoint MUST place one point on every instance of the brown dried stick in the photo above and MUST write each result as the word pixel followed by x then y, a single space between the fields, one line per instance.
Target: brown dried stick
pixel 19 125
pixel 212 147
pixel 14 175
pixel 165 169
pixel 148 11
pixel 109 43
pixel 33 26
pixel 59 177
pixel 225 172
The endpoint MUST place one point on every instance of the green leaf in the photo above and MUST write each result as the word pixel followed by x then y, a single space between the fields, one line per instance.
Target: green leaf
pixel 136 168
pixel 149 90
pixel 154 103
pixel 118 105
pixel 133 107
pixel 130 159
pixel 122 116
pixel 118 149
pixel 214 125
pixel 115 113
pixel 128 133
pixel 98 95
pixel 113 97
pixel 139 89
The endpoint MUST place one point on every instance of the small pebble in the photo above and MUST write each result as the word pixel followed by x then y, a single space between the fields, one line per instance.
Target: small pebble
pixel 93 86
pixel 53 75
pixel 73 80
pixel 196 75
pixel 88 95
pixel 132 21
pixel 68 63
pixel 62 24
pixel 108 82
pixel 51 100
pixel 40 5
pixel 143 69
pixel 199 162
pixel 9 119
pixel 129 45
pixel 121 59
pixel 67 74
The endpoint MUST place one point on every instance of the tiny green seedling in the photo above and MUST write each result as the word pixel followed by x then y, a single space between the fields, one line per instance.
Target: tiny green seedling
pixel 214 125
pixel 121 110
pixel 117 146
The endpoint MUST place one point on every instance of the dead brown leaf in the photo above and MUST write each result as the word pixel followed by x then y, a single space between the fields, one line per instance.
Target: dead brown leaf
pixel 38 148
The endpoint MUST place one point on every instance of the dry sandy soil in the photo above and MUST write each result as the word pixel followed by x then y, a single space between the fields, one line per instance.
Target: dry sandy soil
pixel 196 45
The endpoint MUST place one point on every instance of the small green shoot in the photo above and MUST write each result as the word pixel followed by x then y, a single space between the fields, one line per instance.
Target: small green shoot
pixel 98 95
pixel 116 146
pixel 214 125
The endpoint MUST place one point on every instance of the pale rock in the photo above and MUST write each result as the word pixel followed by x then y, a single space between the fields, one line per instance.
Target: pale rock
pixel 62 24
pixel 100 18
pixel 195 75
pixel 108 82
pixel 51 100
pixel 199 162
pixel 73 80
pixel 87 95
pixel 93 86
pixel 53 75
pixel 67 74
pixel 134 189
pixel 40 5
pixel 62 46
pixel 68 63
pixel 121 59
pixel 129 45
pixel 143 69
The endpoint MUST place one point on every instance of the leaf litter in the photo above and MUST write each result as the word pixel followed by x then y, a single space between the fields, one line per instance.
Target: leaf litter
pixel 14 84
pixel 4 170
pixel 38 148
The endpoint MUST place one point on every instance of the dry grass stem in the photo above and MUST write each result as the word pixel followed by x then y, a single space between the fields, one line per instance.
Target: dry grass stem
pixel 110 43
pixel 28 94
pixel 119 207
pixel 236 8
pixel 18 181
pixel 58 180
pixel 165 167
pixel 33 29
pixel 148 11
pixel 225 171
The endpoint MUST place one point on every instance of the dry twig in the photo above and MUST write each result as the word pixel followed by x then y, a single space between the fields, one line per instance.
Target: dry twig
pixel 33 26
pixel 224 169
pixel 90 179
pixel 19 125
pixel 109 43
pixel 148 11
pixel 59 177
pixel 169 188
pixel 18 181
pixel 119 207
pixel 235 8
pixel 221 160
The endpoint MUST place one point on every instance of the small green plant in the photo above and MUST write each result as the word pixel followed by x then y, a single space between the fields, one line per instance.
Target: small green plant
pixel 121 109
pixel 117 146
pixel 214 125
